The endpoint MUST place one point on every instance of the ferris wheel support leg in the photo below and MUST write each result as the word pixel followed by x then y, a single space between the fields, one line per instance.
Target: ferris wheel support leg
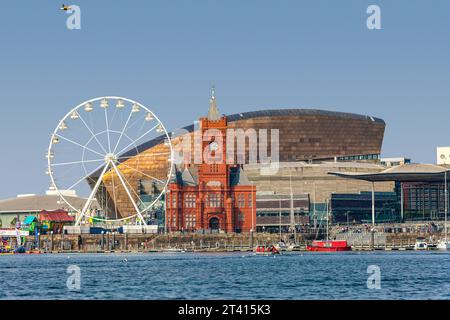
pixel 92 195
pixel 141 218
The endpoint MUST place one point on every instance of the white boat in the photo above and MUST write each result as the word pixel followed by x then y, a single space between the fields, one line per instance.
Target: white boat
pixel 282 246
pixel 294 247
pixel 421 244
pixel 174 250
pixel 443 245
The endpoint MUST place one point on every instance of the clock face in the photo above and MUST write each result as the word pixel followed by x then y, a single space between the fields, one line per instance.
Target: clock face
pixel 213 146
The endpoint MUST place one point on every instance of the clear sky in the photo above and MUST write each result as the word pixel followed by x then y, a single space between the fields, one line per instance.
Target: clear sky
pixel 259 54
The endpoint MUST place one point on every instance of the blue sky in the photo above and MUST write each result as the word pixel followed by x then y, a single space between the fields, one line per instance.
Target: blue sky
pixel 259 54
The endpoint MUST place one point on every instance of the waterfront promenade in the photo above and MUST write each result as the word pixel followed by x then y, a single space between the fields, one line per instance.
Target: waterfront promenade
pixel 114 242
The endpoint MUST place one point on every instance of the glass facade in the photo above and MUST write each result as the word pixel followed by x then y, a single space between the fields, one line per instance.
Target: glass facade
pixel 357 208
pixel 359 157
pixel 423 201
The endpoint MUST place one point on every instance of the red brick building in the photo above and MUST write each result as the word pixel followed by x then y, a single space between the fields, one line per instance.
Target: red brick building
pixel 212 195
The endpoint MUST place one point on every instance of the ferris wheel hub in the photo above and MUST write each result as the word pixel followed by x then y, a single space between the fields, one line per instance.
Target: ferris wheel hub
pixel 111 157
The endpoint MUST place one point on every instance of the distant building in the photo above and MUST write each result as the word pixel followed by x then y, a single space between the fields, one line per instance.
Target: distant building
pixel 393 162
pixel 443 155
pixel 357 207
pixel 54 220
pixel 274 211
pixel 16 209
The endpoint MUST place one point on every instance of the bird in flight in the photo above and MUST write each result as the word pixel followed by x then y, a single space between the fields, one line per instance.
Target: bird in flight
pixel 65 7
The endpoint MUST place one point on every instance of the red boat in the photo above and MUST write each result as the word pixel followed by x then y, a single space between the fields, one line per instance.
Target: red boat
pixel 329 246
pixel 266 250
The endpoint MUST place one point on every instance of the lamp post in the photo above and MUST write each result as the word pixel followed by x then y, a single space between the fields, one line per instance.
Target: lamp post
pixel 445 204
pixel 51 241
pixel 253 214
pixel 372 233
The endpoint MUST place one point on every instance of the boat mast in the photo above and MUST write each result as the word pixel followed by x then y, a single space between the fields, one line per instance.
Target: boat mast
pixel 327 220
pixel 292 208
pixel 280 217
pixel 445 203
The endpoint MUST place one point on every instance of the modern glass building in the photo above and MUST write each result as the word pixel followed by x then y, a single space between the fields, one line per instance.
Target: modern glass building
pixel 420 192
pixel 357 208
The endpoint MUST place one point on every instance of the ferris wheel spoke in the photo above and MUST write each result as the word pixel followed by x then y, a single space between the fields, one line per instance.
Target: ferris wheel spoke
pixel 122 132
pixel 143 135
pixel 85 177
pixel 144 155
pixel 131 187
pixel 112 118
pixel 114 196
pixel 138 211
pixel 92 133
pixel 144 174
pixel 92 195
pixel 75 162
pixel 78 144
pixel 107 131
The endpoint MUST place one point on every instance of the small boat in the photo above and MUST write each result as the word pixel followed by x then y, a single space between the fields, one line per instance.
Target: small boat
pixel 282 246
pixel 443 245
pixel 266 250
pixel 294 247
pixel 421 244
pixel 329 246
pixel 174 250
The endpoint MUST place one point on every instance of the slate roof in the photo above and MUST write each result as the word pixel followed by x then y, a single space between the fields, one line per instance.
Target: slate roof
pixel 37 203
pixel 55 216
pixel 189 177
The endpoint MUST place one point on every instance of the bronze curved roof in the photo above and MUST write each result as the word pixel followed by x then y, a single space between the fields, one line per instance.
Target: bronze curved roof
pixel 259 114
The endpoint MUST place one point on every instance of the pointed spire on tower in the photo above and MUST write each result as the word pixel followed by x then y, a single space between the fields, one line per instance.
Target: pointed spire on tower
pixel 213 112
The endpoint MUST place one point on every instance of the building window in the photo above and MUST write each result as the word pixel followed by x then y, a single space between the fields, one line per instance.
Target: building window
pixel 189 221
pixel 189 200
pixel 214 200
pixel 250 200
pixel 241 200
pixel 241 217
pixel 174 221
pixel 174 201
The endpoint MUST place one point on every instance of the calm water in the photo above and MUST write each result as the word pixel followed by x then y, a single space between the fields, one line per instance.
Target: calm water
pixel 406 275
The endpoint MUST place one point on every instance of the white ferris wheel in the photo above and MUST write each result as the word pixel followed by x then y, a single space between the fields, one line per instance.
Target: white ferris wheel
pixel 96 151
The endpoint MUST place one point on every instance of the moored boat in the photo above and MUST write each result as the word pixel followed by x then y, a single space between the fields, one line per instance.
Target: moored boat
pixel 174 250
pixel 422 244
pixel 329 246
pixel 443 245
pixel 266 250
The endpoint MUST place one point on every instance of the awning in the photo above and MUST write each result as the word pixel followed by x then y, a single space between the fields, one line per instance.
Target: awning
pixel 29 220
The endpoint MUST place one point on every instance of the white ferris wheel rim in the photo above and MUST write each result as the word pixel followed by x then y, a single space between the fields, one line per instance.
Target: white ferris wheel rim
pixel 60 193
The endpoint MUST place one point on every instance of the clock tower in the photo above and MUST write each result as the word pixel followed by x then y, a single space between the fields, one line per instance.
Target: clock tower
pixel 211 196
pixel 213 130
